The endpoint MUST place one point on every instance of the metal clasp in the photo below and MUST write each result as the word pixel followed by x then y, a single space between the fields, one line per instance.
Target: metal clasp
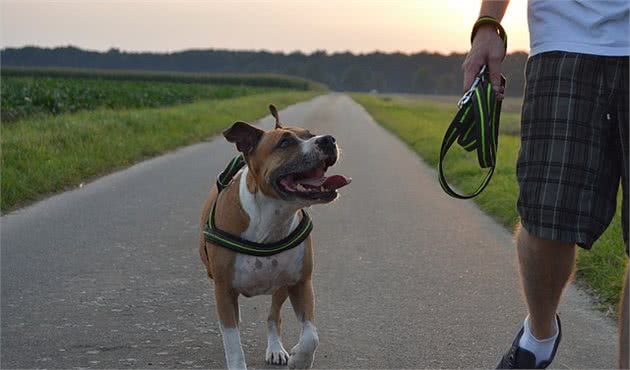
pixel 478 79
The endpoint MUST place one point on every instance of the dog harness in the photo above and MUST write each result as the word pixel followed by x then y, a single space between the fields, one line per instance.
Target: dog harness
pixel 240 245
pixel 475 127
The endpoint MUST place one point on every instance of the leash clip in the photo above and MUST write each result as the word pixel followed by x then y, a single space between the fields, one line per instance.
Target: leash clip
pixel 478 79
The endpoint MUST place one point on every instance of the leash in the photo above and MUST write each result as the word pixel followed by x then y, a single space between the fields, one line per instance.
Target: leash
pixel 221 238
pixel 475 127
pixel 476 124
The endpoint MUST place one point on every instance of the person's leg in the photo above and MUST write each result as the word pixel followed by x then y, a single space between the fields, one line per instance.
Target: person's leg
pixel 567 180
pixel 623 121
pixel 545 268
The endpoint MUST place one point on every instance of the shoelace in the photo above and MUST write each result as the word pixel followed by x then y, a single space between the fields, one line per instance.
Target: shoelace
pixel 475 127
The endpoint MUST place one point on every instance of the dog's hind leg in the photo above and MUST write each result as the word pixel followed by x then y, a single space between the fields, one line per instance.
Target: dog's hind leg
pixel 205 213
pixel 227 308
pixel 302 300
pixel 203 253
pixel 276 354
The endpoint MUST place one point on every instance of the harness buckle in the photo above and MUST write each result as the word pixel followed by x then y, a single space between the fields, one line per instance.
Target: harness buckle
pixel 468 94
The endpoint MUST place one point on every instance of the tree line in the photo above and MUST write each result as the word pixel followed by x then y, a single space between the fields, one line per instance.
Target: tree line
pixel 420 73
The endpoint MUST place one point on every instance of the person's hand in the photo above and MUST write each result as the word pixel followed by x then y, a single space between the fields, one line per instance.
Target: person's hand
pixel 487 48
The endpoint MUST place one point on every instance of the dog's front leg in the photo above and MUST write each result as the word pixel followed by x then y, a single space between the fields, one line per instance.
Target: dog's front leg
pixel 302 300
pixel 227 309
pixel 276 354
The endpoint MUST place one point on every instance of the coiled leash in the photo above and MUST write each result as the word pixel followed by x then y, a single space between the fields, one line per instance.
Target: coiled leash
pixel 476 124
pixel 221 238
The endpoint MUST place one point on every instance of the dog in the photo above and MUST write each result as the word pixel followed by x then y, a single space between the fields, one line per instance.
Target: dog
pixel 283 173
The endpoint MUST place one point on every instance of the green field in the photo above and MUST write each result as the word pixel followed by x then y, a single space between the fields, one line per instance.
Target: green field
pixel 75 129
pixel 27 96
pixel 421 123
pixel 244 79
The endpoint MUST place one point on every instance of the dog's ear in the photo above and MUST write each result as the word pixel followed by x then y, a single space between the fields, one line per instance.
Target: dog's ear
pixel 274 113
pixel 244 135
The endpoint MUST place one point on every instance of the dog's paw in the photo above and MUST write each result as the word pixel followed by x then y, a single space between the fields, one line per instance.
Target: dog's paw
pixel 303 353
pixel 276 354
pixel 300 359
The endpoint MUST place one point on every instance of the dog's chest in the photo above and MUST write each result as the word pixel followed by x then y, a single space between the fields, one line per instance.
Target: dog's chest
pixel 264 275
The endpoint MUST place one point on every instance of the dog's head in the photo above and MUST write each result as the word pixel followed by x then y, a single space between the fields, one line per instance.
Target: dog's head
pixel 289 163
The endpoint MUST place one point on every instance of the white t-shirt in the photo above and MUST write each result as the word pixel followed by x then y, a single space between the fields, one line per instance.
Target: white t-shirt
pixel 580 26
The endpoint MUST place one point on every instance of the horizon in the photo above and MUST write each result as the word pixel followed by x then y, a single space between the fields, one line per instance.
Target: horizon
pixel 326 52
pixel 358 27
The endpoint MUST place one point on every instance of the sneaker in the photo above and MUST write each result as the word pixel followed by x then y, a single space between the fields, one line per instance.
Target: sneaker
pixel 519 358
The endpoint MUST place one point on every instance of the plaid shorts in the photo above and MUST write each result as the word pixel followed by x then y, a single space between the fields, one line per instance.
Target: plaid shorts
pixel 574 146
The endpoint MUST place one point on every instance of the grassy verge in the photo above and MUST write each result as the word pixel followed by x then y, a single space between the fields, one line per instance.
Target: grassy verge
pixel 47 154
pixel 421 124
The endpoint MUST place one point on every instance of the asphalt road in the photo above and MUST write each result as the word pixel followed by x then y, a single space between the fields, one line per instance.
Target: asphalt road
pixel 107 276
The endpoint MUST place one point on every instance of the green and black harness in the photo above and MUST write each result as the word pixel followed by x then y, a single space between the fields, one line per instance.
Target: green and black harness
pixel 226 240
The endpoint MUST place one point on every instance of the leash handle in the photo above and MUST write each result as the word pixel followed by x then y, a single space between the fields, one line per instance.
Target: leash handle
pixel 485 19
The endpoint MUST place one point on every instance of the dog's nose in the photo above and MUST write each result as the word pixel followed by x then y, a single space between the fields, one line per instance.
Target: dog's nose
pixel 326 143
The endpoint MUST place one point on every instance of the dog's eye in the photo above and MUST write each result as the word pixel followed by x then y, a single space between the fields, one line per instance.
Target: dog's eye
pixel 287 141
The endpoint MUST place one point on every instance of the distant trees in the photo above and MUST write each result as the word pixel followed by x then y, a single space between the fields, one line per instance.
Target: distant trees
pixel 427 73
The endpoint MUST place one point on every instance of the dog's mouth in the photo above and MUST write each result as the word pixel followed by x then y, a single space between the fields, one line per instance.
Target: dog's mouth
pixel 313 183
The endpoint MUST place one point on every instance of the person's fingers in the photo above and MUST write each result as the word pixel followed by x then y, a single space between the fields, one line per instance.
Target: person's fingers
pixel 470 68
pixel 494 69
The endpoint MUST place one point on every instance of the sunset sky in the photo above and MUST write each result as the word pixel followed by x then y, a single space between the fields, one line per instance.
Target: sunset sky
pixel 280 25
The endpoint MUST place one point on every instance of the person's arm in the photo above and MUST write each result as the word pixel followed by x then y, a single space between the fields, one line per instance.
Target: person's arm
pixel 487 48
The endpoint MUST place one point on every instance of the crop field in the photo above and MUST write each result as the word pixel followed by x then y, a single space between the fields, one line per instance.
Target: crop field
pixel 58 132
pixel 27 96
pixel 245 79
pixel 420 122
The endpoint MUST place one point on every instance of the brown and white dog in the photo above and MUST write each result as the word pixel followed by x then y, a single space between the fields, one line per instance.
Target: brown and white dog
pixel 285 172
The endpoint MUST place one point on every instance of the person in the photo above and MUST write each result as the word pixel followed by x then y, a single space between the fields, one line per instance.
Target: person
pixel 574 151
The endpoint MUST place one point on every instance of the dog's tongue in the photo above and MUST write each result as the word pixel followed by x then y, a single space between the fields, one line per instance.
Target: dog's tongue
pixel 330 183
pixel 336 182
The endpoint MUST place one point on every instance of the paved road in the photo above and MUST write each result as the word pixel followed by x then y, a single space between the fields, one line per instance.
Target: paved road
pixel 108 275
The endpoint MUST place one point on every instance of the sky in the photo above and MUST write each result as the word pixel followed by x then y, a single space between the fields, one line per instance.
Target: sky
pixel 359 26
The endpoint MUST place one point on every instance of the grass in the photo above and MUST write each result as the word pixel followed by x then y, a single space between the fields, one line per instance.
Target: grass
pixel 27 96
pixel 46 154
pixel 421 124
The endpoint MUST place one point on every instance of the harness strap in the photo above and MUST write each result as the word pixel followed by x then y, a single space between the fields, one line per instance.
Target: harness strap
pixel 475 127
pixel 240 245
pixel 224 178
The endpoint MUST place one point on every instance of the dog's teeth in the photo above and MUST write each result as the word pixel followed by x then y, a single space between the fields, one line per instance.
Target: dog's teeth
pixel 299 187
